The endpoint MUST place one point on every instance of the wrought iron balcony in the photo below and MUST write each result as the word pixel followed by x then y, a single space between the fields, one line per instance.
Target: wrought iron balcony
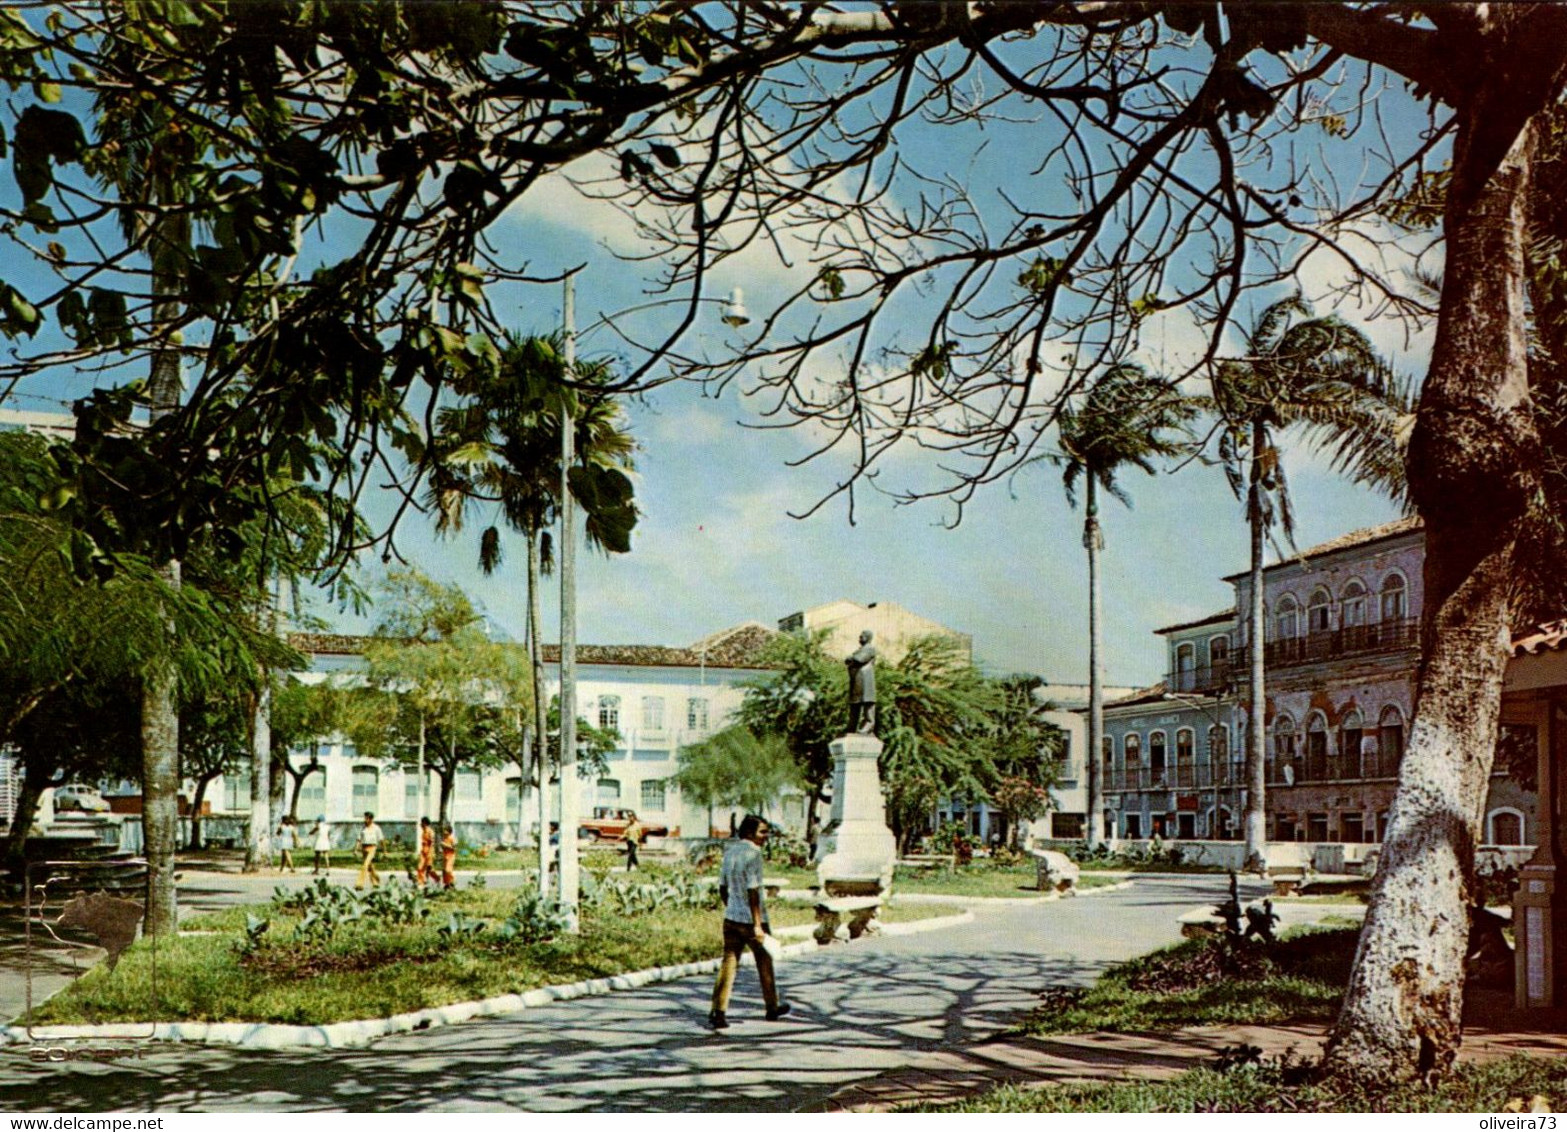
pixel 1200 776
pixel 1208 679
pixel 1313 768
pixel 1350 640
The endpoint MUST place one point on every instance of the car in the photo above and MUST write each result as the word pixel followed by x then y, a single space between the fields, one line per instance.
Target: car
pixel 79 797
pixel 609 823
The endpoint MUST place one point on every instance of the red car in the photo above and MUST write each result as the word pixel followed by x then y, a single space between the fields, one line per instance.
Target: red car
pixel 609 824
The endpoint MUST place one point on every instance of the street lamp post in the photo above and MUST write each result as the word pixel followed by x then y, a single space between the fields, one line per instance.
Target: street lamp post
pixel 570 789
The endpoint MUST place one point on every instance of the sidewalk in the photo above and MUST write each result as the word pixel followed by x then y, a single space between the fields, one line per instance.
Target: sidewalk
pixel 950 1075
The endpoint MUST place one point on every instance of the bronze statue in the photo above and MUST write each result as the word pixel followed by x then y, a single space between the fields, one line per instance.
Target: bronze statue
pixel 862 687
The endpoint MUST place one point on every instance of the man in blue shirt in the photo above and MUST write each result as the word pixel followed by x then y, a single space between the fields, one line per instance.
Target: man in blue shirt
pixel 745 921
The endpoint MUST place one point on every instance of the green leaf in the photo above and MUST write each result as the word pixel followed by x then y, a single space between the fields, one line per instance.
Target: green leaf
pixel 668 156
pixel 49 92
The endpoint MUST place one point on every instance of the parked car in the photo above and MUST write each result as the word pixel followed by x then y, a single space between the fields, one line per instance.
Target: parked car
pixel 79 797
pixel 609 824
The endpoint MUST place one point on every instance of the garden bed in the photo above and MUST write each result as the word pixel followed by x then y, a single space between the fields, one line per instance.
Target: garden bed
pixel 371 967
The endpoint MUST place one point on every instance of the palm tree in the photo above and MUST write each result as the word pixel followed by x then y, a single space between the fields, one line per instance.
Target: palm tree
pixel 504 445
pixel 1126 418
pixel 1324 375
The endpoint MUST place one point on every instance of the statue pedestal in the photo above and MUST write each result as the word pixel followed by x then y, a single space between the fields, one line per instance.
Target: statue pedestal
pixel 856 851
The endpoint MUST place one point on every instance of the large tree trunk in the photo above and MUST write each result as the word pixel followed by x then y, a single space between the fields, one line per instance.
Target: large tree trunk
pixel 160 784
pixel 1093 759
pixel 26 814
pixel 447 779
pixel 1256 821
pixel 1471 453
pixel 258 843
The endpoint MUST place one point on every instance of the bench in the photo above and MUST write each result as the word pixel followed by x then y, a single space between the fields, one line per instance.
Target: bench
pixel 859 911
pixel 923 861
pixel 1287 879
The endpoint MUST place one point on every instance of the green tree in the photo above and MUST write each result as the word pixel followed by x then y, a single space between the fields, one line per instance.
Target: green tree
pixel 214 741
pixel 1320 373
pixel 502 446
pixel 1125 419
pixel 303 715
pixel 733 767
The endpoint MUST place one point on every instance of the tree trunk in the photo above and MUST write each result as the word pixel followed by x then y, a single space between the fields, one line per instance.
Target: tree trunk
pixel 33 787
pixel 258 843
pixel 160 784
pixel 570 787
pixel 541 712
pixel 1471 453
pixel 1093 542
pixel 1256 820
pixel 447 780
pixel 196 800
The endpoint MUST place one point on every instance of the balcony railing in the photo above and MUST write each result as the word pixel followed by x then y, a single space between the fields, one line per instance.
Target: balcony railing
pixel 1207 679
pixel 1351 640
pixel 1204 776
pixel 1198 777
pixel 1310 768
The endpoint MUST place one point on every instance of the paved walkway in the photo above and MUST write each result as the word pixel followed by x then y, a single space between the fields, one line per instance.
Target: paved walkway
pixel 876 1024
pixel 860 1011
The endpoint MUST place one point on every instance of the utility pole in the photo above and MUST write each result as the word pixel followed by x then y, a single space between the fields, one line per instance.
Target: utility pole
pixel 569 787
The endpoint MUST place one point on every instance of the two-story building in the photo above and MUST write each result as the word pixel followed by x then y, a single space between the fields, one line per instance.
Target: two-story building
pixel 1340 649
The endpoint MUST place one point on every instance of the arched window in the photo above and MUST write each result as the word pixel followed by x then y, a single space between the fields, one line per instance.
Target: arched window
pixel 1219 659
pixel 1185 758
pixel 609 713
pixel 1316 747
pixel 1318 611
pixel 1353 605
pixel 1286 621
pixel 608 791
pixel 1394 605
pixel 1504 826
pixel 1390 741
pixel 1107 745
pixel 1156 760
pixel 1133 755
pixel 1282 766
pixel 1351 730
pixel 1185 666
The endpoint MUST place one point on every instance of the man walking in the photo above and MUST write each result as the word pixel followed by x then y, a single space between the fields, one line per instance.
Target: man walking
pixel 369 842
pixel 745 921
pixel 426 868
pixel 633 837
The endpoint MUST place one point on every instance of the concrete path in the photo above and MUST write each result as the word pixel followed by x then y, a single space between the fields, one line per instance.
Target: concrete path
pixel 860 1012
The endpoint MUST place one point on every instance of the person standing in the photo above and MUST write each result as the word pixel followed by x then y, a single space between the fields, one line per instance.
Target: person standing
pixel 633 839
pixel 323 848
pixel 745 921
pixel 426 867
pixel 448 856
pixel 369 842
pixel 286 838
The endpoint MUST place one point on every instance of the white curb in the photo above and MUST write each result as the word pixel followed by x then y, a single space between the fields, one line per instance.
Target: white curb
pixel 336 1035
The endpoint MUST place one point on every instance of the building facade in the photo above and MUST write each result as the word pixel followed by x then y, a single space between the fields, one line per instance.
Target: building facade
pixel 894 626
pixel 1340 650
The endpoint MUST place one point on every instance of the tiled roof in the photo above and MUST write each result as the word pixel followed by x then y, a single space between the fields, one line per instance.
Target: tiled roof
pixel 737 647
pixel 1147 695
pixel 335 644
pixel 1552 635
pixel 1222 615
pixel 1363 537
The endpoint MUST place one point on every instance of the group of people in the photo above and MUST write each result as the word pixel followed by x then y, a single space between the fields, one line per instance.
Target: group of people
pixel 287 840
pixel 367 847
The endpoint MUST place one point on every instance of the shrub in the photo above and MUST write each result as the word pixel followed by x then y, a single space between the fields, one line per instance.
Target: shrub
pixel 533 919
pixel 785 847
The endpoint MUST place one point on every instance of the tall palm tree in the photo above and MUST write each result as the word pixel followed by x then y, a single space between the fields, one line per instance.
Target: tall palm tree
pixel 1126 419
pixel 1324 375
pixel 504 445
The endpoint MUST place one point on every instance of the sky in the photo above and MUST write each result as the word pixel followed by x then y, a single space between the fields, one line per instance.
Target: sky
pixel 717 546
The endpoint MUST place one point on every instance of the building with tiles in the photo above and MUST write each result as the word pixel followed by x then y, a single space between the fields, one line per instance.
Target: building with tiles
pixel 657 698
pixel 894 626
pixel 1340 650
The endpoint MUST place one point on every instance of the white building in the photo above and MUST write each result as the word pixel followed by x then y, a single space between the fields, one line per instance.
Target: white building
pixel 658 698
pixel 1067 708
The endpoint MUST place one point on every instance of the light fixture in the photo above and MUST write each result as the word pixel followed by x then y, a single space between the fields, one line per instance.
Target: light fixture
pixel 734 309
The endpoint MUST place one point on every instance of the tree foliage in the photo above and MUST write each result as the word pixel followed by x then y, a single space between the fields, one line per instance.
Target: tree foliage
pixel 735 768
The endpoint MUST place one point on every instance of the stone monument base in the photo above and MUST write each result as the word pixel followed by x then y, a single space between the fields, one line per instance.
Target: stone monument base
pixel 856 851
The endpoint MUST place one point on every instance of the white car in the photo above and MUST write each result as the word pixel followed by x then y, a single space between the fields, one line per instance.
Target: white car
pixel 79 797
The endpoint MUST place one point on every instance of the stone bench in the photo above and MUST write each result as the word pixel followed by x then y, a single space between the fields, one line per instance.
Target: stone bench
pixel 1287 879
pixel 923 861
pixel 1054 871
pixel 860 912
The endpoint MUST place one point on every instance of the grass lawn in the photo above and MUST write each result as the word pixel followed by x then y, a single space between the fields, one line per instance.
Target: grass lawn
pixel 373 969
pixel 1274 1088
pixel 971 880
pixel 1191 984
